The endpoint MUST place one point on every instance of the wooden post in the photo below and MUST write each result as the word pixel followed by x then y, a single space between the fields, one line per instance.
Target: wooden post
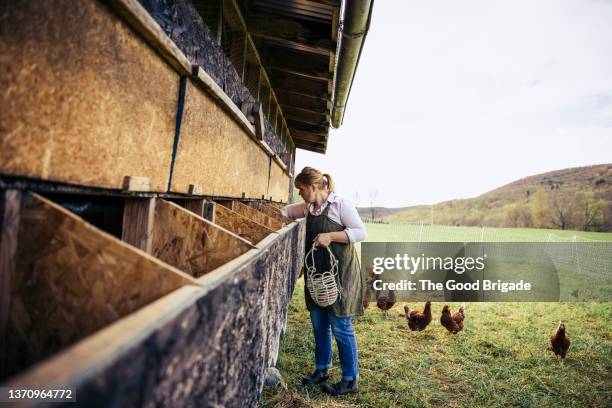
pixel 10 205
pixel 209 211
pixel 196 206
pixel 138 216
pixel 260 126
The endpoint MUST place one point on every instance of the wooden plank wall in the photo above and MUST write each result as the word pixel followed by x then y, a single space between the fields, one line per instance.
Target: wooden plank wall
pixel 72 279
pixel 87 101
pixel 215 153
pixel 76 110
pixel 191 243
pixel 278 189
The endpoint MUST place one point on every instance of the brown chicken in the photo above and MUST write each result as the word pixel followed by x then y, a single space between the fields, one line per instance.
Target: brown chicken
pixel 385 302
pixel 454 322
pixel 559 341
pixel 418 321
pixel 367 295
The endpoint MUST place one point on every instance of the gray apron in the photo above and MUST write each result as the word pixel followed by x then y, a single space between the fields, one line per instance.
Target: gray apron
pixel 350 298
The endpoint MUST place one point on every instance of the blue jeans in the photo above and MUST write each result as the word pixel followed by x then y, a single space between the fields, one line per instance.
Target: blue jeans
pixel 323 323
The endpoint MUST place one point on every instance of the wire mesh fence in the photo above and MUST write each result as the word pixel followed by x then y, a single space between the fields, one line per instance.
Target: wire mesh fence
pixel 571 252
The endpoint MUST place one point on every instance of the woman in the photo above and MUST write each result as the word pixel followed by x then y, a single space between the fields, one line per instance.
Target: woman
pixel 333 222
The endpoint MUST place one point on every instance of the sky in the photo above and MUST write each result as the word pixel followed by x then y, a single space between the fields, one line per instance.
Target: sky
pixel 455 98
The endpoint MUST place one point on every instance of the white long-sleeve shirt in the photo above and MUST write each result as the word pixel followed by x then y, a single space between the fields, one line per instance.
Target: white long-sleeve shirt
pixel 341 211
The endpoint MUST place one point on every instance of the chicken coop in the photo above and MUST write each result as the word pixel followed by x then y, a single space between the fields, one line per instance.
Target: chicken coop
pixel 146 149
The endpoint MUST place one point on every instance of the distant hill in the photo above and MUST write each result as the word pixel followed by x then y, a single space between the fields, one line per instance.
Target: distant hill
pixel 575 198
pixel 381 212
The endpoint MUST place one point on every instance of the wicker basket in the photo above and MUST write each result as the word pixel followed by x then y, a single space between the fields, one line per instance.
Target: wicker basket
pixel 322 286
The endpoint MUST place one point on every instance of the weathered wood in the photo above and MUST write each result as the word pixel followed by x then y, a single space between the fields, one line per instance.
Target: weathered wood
pixel 289 83
pixel 141 21
pixel 271 212
pixel 216 153
pixel 190 344
pixel 240 225
pixel 196 206
pixel 191 243
pixel 254 215
pixel 138 218
pixel 279 184
pixel 75 109
pixel 72 279
pixel 305 115
pixel 260 125
pixel 298 62
pixel 216 92
pixel 136 183
pixel 194 189
pixel 10 204
pixel 209 211
pixel 298 100
pixel 288 30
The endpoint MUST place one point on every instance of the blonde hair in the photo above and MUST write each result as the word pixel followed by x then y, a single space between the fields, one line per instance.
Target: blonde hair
pixel 313 177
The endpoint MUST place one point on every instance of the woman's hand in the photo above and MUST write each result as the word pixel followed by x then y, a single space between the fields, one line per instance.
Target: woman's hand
pixel 323 240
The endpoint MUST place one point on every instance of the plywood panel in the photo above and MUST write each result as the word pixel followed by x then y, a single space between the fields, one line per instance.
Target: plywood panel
pixel 84 99
pixel 138 218
pixel 272 212
pixel 215 153
pixel 240 225
pixel 72 279
pixel 279 183
pixel 255 215
pixel 191 243
pixel 188 336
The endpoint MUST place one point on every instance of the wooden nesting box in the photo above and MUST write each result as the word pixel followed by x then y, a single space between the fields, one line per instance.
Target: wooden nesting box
pixel 191 243
pixel 240 225
pixel 72 279
pixel 252 214
pixel 209 341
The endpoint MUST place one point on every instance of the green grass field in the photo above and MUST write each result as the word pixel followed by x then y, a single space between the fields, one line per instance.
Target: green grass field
pixel 500 359
pixel 444 233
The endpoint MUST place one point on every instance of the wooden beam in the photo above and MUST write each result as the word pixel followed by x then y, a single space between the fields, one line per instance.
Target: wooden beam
pixel 138 218
pixel 292 45
pixel 303 101
pixel 305 134
pixel 294 61
pixel 282 81
pixel 307 127
pixel 308 12
pixel 315 76
pixel 301 143
pixel 136 183
pixel 260 123
pixel 10 206
pixel 305 115
pixel 310 137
